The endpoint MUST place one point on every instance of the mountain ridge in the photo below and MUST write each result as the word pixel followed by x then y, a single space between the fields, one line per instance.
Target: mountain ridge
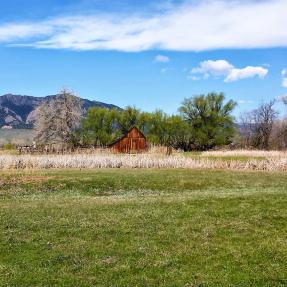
pixel 16 111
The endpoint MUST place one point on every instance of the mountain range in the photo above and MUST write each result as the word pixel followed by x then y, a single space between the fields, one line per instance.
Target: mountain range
pixel 17 111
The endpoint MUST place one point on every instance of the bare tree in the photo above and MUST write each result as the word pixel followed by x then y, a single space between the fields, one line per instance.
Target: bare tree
pixel 280 134
pixel 284 99
pixel 56 119
pixel 246 128
pixel 278 138
pixel 258 125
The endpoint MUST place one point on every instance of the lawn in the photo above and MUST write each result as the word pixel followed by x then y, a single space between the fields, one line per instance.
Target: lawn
pixel 143 227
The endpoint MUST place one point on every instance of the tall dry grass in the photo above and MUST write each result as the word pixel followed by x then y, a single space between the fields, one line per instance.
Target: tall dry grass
pixel 245 153
pixel 272 161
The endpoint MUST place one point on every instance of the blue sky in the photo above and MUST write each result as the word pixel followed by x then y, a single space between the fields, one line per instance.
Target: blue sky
pixel 151 54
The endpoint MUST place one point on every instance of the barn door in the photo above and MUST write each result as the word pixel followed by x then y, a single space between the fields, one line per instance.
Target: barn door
pixel 134 145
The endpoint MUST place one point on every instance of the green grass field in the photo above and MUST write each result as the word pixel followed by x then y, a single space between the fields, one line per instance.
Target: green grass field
pixel 143 228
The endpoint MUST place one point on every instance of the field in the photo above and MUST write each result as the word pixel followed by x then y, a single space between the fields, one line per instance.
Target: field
pixel 155 158
pixel 143 227
pixel 16 137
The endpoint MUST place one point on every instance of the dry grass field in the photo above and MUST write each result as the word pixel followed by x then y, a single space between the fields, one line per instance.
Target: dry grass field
pixel 234 160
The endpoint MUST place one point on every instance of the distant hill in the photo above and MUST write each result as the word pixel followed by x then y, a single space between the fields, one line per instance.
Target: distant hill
pixel 18 111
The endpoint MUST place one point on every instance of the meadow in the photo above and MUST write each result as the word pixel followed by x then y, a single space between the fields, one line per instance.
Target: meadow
pixel 143 227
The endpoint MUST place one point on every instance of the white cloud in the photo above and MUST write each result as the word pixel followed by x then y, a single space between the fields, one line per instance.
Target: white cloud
pixel 162 59
pixel 213 68
pixel 247 72
pixel 222 68
pixel 284 78
pixel 193 26
pixel 12 32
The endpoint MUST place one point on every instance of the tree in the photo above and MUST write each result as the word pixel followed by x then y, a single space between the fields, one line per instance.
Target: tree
pixel 261 124
pixel 166 130
pixel 284 100
pixel 157 128
pixel 246 129
pixel 278 137
pixel 128 118
pixel 209 119
pixel 284 125
pixel 58 118
pixel 204 122
pixel 100 126
pixel 178 133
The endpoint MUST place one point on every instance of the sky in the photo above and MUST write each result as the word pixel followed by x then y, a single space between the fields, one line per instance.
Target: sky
pixel 147 53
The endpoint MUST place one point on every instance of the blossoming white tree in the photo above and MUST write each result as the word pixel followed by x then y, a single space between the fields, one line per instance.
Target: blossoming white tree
pixel 57 118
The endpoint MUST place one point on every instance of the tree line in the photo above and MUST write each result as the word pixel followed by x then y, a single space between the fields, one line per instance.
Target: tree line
pixel 262 128
pixel 203 122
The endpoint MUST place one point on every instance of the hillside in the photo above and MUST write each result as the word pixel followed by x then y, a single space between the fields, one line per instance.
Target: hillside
pixel 17 110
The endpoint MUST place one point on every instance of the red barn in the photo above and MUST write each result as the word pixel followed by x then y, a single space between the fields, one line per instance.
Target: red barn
pixel 133 142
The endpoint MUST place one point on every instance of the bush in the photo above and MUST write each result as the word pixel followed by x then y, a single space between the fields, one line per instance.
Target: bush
pixel 8 146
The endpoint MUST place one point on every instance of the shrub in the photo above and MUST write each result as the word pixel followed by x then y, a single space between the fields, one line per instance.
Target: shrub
pixel 8 146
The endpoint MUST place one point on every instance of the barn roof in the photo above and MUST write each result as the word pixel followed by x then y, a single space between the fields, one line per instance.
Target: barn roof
pixel 122 137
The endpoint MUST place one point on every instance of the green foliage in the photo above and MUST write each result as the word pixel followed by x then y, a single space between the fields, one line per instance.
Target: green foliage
pixel 102 126
pixel 99 126
pixel 179 133
pixel 204 123
pixel 210 120
pixel 157 128
pixel 128 118
pixel 8 146
pixel 168 130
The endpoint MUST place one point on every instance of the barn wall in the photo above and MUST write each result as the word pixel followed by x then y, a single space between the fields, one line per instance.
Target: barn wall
pixel 134 141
